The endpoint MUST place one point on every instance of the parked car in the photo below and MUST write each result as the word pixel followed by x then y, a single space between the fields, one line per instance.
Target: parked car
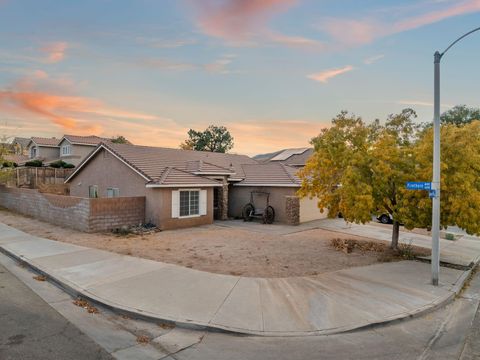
pixel 385 219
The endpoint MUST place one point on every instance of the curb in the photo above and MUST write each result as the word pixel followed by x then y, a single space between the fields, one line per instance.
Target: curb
pixel 74 291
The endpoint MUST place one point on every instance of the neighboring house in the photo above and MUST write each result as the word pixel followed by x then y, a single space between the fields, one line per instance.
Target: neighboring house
pixel 45 149
pixel 73 149
pixel 17 159
pixel 292 157
pixel 277 180
pixel 182 187
pixel 20 145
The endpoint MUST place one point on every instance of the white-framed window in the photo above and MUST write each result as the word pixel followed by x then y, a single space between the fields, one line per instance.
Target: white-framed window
pixel 189 203
pixel 113 192
pixel 66 150
pixel 93 191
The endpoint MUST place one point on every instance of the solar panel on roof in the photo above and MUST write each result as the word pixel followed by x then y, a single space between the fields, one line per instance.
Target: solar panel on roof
pixel 284 155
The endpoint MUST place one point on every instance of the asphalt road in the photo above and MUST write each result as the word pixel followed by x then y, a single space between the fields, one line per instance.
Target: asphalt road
pixel 31 329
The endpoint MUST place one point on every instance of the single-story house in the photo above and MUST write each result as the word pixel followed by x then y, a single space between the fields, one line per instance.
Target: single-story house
pixel 184 187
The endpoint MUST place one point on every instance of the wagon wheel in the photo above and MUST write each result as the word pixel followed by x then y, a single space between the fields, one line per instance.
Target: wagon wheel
pixel 268 215
pixel 247 212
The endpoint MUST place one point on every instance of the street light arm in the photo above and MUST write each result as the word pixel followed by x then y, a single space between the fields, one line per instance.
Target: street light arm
pixel 460 38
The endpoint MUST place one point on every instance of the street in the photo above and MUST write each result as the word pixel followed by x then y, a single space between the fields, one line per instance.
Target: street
pixel 31 329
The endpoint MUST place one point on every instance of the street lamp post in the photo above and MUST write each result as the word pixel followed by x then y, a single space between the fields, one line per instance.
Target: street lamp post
pixel 436 161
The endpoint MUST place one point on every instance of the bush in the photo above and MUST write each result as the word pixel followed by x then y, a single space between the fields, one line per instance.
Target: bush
pixel 7 164
pixel 61 164
pixel 34 163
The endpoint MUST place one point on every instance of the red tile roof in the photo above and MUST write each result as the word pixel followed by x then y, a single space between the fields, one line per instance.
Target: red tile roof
pixel 269 174
pixel 53 142
pixel 85 140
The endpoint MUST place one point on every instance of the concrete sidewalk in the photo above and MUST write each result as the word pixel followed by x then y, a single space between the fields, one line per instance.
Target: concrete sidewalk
pixel 323 304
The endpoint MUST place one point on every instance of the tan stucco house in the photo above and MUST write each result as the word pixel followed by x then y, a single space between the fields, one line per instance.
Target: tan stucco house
pixel 184 188
pixel 70 148
pixel 45 149
pixel 181 187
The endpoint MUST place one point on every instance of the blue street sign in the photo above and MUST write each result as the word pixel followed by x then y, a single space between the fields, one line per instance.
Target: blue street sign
pixel 415 185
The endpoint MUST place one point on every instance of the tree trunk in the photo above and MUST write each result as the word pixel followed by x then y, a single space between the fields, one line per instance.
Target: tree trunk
pixel 395 234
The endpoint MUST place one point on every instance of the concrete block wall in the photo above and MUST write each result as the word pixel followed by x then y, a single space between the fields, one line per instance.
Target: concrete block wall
pixel 82 214
pixel 113 213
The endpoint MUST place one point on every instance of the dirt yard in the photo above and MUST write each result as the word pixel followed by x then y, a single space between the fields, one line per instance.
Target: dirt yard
pixel 216 248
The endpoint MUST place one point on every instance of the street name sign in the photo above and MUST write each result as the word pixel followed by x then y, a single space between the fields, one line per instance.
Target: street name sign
pixel 415 185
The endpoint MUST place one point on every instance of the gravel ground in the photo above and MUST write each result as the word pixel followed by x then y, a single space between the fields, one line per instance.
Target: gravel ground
pixel 215 248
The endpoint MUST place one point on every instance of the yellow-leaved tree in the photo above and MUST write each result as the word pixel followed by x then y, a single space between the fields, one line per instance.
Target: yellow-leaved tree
pixel 360 170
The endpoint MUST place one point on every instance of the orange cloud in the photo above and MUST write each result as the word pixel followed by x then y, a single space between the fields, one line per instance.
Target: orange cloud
pixel 29 97
pixel 326 75
pixel 55 51
pixel 353 32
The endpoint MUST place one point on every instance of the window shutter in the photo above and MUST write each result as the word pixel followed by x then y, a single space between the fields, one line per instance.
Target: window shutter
pixel 175 204
pixel 203 202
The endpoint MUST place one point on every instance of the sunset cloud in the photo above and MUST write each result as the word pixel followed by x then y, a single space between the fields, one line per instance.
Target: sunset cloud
pixel 30 97
pixel 244 23
pixel 326 75
pixel 355 32
pixel 55 51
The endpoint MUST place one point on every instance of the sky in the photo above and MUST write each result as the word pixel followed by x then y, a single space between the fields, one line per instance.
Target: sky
pixel 274 72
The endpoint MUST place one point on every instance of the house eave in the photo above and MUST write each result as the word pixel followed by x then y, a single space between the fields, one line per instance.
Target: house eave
pixel 181 185
pixel 269 185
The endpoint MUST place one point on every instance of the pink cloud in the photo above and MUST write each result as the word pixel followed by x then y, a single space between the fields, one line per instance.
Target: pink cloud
pixel 326 75
pixel 354 32
pixel 235 20
pixel 244 23
pixel 55 51
pixel 32 97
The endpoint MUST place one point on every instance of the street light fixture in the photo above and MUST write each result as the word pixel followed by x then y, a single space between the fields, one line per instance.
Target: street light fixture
pixel 436 161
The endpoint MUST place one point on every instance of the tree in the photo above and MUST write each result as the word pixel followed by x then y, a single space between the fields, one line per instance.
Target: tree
pixel 460 115
pixel 460 177
pixel 359 170
pixel 214 139
pixel 120 139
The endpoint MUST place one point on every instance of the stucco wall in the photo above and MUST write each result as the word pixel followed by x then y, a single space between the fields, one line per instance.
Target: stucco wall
pixel 82 214
pixel 78 153
pixel 105 171
pixel 239 196
pixel 48 153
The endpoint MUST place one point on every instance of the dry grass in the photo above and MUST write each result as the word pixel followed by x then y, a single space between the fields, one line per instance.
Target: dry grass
pixel 218 249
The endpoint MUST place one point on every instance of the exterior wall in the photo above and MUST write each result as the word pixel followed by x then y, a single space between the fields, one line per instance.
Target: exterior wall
pixel 105 171
pixel 82 214
pixel 309 210
pixel 78 152
pixel 161 209
pixel 48 153
pixel 239 196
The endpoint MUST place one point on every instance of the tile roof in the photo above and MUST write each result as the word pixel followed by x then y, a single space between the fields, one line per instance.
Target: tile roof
pixel 292 157
pixel 21 141
pixel 85 140
pixel 45 141
pixel 152 161
pixel 269 174
pixel 176 177
pixel 200 166
pixel 18 159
